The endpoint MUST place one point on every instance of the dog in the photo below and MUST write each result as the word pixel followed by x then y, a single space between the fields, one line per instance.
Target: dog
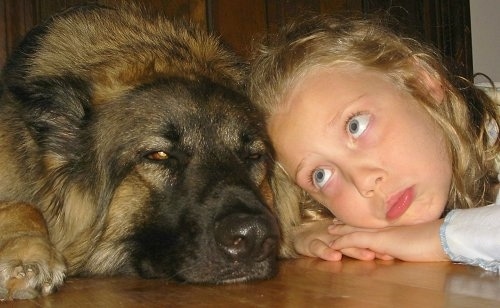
pixel 128 147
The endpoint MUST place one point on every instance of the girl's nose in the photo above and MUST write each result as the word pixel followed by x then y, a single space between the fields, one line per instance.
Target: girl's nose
pixel 367 181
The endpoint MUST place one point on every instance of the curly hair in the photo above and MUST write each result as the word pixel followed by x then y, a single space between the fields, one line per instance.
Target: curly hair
pixel 280 62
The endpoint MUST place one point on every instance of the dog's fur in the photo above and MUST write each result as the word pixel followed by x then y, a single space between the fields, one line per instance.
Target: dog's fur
pixel 127 147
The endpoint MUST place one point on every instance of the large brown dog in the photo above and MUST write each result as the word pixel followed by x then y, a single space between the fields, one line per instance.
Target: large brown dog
pixel 126 147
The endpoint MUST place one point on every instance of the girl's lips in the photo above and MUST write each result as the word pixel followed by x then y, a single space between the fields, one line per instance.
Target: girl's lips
pixel 399 203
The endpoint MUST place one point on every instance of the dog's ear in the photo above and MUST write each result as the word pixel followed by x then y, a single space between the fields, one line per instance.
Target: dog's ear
pixel 54 106
pixel 48 102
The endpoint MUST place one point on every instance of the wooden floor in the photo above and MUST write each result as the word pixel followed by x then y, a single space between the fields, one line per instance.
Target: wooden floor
pixel 300 283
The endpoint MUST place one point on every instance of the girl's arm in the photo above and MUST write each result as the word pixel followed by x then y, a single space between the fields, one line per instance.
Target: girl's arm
pixel 313 239
pixel 470 236
pixel 420 242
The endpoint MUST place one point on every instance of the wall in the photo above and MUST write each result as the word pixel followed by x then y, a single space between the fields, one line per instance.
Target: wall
pixel 485 26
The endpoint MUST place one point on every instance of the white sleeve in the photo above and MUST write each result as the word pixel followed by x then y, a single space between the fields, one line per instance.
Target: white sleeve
pixel 472 236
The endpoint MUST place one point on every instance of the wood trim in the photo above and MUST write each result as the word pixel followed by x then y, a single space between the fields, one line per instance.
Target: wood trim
pixel 442 23
pixel 17 17
pixel 238 22
pixel 3 33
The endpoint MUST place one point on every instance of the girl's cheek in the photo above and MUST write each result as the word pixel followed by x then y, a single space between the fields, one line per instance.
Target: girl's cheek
pixel 332 191
pixel 336 183
pixel 372 135
pixel 340 206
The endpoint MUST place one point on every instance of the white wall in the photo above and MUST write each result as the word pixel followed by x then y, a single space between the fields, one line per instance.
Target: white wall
pixel 485 26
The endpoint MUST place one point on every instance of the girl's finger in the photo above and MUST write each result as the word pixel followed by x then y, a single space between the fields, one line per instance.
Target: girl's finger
pixel 359 253
pixel 384 257
pixel 321 250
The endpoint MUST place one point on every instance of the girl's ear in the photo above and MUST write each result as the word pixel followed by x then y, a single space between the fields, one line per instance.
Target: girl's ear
pixel 432 84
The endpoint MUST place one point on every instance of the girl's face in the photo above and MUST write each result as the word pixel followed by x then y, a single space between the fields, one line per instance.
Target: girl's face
pixel 363 148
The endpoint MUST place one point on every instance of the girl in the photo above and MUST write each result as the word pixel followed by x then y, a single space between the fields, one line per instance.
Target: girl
pixel 370 126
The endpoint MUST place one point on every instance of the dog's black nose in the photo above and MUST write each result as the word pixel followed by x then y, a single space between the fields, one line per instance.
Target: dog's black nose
pixel 246 237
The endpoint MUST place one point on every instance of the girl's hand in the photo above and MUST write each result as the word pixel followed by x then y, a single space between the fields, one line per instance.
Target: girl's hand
pixel 313 239
pixel 419 242
pixel 340 231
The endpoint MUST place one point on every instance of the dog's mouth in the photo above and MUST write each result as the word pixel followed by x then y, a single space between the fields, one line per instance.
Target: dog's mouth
pixel 269 270
pixel 210 264
pixel 224 272
pixel 238 244
pixel 243 247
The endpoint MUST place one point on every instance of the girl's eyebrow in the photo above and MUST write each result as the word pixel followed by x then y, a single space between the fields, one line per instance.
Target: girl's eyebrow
pixel 298 169
pixel 335 118
pixel 300 166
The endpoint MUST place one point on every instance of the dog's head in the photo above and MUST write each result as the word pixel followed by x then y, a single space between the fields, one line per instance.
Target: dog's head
pixel 147 143
pixel 198 152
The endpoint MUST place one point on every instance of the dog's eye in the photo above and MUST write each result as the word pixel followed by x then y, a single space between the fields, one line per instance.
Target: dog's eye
pixel 254 156
pixel 254 151
pixel 158 155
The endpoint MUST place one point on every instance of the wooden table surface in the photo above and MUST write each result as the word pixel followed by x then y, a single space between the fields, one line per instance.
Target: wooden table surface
pixel 300 283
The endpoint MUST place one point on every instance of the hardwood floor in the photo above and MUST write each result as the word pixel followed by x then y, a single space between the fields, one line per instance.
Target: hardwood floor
pixel 300 283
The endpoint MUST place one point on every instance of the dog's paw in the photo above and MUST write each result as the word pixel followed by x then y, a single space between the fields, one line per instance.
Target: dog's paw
pixel 29 266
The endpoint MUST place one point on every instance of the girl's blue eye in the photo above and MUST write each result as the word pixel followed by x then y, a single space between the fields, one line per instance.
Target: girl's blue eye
pixel 357 124
pixel 320 177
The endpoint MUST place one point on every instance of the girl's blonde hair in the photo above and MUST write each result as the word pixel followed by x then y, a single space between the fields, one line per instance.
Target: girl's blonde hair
pixel 322 41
